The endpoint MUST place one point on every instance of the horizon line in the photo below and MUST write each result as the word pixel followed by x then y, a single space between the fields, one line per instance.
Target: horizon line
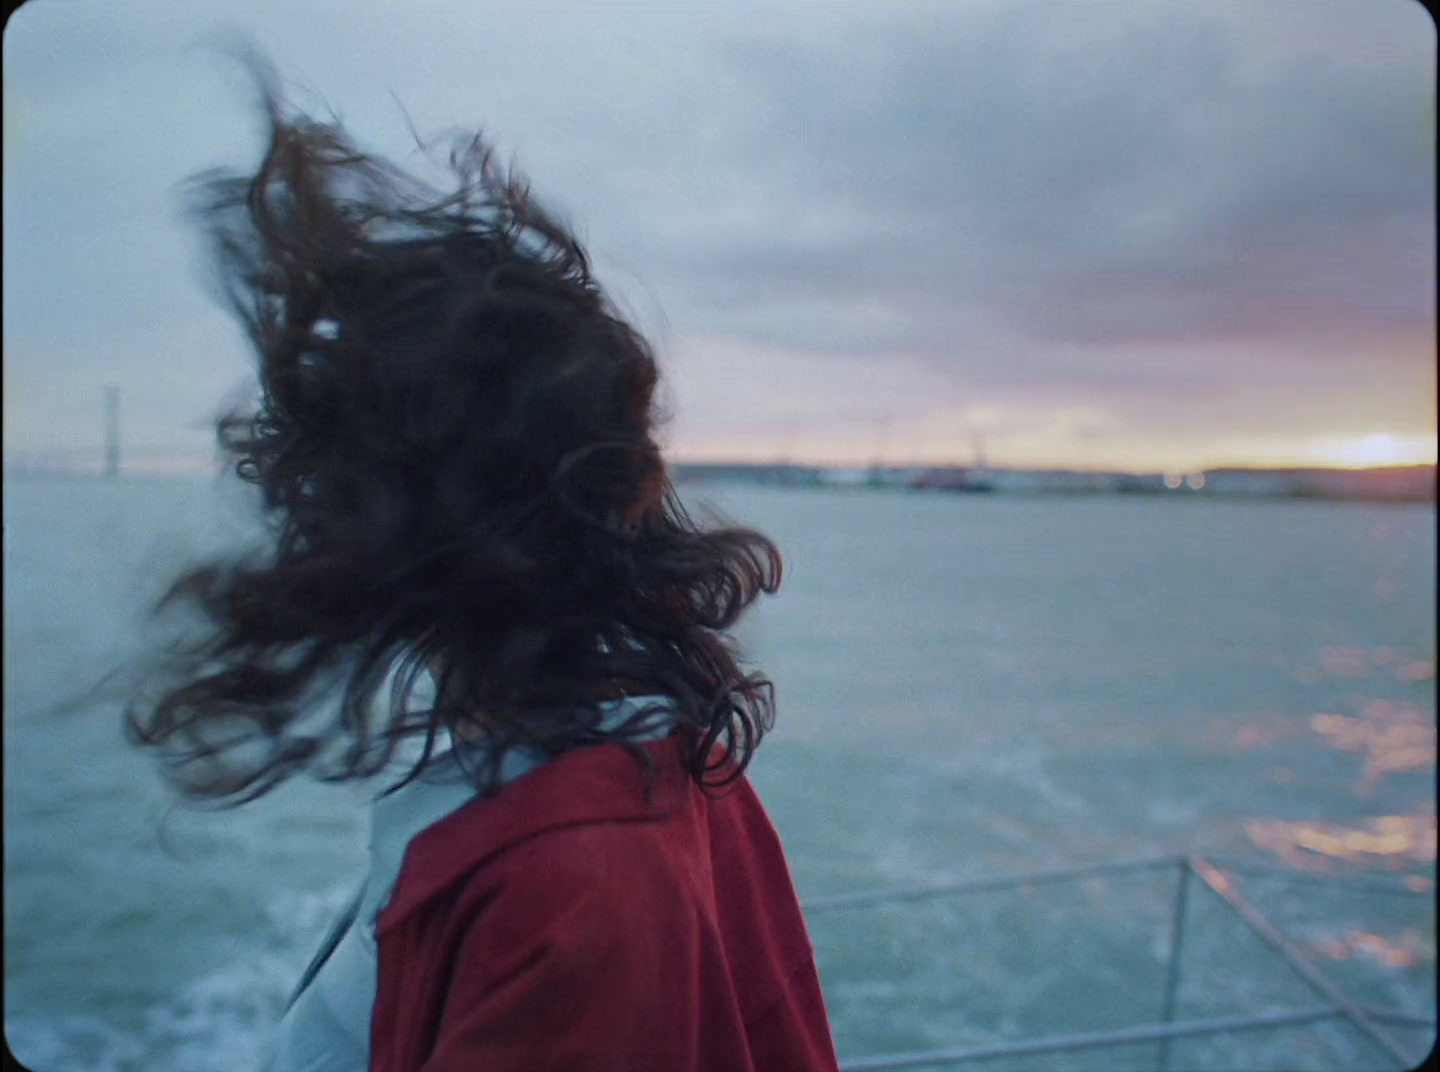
pixel 62 462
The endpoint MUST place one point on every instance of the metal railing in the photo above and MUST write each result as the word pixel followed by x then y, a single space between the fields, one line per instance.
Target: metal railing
pixel 1215 874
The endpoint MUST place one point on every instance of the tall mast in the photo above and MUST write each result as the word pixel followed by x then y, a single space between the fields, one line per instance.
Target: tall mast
pixel 112 431
pixel 882 444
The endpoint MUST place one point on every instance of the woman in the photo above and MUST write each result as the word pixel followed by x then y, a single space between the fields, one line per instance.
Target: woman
pixel 455 447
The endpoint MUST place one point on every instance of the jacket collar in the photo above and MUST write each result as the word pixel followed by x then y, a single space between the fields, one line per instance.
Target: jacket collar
pixel 599 783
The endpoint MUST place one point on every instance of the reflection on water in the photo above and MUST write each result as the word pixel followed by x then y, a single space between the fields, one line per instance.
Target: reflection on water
pixel 1386 841
pixel 1345 662
pixel 1400 952
pixel 1419 670
pixel 1393 736
pixel 1357 662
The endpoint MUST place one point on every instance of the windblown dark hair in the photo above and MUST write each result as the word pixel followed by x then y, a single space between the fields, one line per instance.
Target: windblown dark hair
pixel 455 452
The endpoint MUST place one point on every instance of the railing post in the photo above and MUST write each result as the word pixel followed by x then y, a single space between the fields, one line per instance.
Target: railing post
pixel 1172 969
pixel 1216 880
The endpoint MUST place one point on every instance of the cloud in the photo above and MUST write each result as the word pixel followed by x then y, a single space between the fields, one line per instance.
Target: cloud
pixel 1068 173
pixel 1170 212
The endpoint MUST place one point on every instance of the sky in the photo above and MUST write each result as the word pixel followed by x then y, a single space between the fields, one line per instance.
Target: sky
pixel 1145 235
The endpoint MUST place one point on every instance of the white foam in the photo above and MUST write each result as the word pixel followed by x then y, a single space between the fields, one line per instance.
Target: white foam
pixel 221 1021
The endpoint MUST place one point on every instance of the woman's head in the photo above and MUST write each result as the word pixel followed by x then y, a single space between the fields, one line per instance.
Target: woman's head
pixel 455 447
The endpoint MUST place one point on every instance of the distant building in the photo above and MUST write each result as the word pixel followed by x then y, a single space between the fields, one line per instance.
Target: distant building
pixel 1415 483
pixel 741 472
pixel 1052 481
pixel 1406 483
pixel 847 478
pixel 1140 483
pixel 1409 483
pixel 1251 482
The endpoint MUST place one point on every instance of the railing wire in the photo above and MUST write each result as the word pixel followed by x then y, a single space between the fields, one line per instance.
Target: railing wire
pixel 1365 1018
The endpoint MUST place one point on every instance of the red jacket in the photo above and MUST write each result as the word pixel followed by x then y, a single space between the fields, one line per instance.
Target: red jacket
pixel 566 924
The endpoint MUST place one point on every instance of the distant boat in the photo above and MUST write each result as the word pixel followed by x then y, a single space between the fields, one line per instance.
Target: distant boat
pixel 966 480
pixel 975 478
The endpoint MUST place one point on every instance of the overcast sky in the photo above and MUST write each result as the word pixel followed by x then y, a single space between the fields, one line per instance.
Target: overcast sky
pixel 1161 234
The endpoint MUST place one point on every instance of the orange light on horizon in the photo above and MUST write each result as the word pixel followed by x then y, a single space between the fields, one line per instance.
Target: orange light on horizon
pixel 1175 457
pixel 1376 450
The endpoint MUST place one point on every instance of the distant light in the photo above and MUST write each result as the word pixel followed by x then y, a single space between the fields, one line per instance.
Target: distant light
pixel 1196 480
pixel 1173 480
pixel 1378 449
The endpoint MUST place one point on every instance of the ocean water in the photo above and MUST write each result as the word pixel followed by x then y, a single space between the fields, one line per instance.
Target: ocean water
pixel 967 687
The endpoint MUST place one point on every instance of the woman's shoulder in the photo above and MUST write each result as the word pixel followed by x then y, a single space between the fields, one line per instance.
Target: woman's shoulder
pixel 559 807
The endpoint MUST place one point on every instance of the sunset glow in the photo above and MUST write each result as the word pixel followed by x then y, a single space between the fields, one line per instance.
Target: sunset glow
pixel 1379 448
pixel 1046 449
pixel 829 277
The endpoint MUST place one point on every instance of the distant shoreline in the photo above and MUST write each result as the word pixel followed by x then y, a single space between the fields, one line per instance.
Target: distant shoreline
pixel 1387 484
pixel 1402 484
